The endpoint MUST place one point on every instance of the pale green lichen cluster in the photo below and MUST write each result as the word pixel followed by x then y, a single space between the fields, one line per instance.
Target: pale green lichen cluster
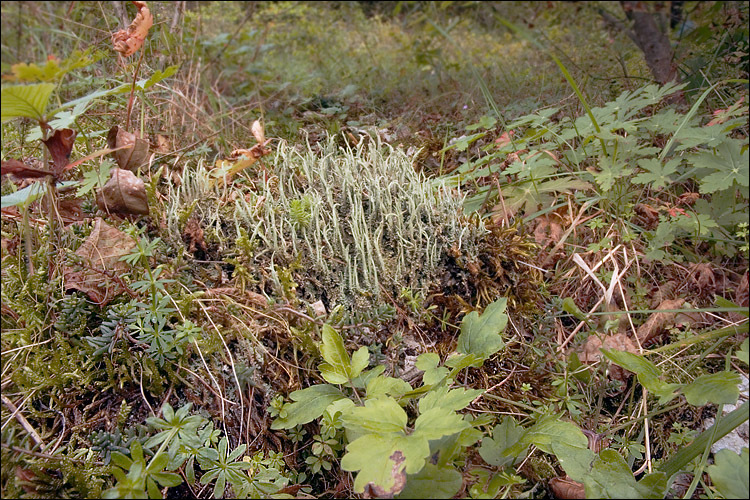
pixel 360 219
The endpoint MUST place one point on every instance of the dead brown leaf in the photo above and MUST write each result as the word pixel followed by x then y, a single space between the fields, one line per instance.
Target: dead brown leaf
pixel 566 488
pixel 124 194
pixel 96 274
pixel 547 231
pixel 127 42
pixel 649 215
pixel 657 322
pixel 590 352
pixel 132 151
pixel 703 275
pixel 192 235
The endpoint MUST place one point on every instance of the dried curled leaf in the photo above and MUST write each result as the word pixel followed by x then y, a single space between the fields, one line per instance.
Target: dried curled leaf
pixel 100 264
pixel 127 42
pixel 132 151
pixel 123 194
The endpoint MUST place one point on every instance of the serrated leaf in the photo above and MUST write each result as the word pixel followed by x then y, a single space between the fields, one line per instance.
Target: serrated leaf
pixel 25 101
pixel 649 375
pixel 432 482
pixel 428 362
pixel 308 405
pixel 717 388
pixel 480 335
pixel 730 163
pixel 729 473
pixel 338 364
pixel 381 415
pixel 438 422
pixel 442 397
pixel 656 174
pixel 379 461
pixel 546 431
pixel 360 360
pixel 382 386
pixel 504 435
pixel 331 374
pixel 611 477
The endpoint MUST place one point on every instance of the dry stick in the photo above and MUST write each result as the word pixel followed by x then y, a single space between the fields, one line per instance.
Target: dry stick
pixel 132 90
pixel 236 379
pixel 22 420
pixel 47 455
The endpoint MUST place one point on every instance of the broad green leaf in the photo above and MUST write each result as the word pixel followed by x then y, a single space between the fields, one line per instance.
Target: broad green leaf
pixel 391 386
pixel 546 431
pixel 374 457
pixel 364 378
pixel 432 482
pixel 308 405
pixel 656 174
pixel 611 477
pixel 729 473
pixel 168 479
pixel 382 415
pixel 428 362
pixel 23 196
pixel 649 375
pixel 504 435
pixel 438 422
pixel 453 399
pixel 460 361
pixel 742 354
pixel 574 458
pixel 331 374
pixel 717 388
pixel 25 101
pixel 337 369
pixel 480 335
pixel 730 163
pixel 360 360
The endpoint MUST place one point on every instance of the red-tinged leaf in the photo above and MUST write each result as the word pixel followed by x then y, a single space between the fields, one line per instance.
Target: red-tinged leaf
pixel 21 170
pixel 60 145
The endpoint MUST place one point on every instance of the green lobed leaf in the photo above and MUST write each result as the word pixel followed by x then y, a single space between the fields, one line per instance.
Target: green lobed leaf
pixel 432 482
pixel 504 435
pixel 453 399
pixel 438 422
pixel 717 388
pixel 25 101
pixel 381 415
pixel 382 386
pixel 308 405
pixel 428 362
pixel 372 455
pixel 546 431
pixel 338 364
pixel 480 335
pixel 729 473
pixel 610 477
pixel 360 360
